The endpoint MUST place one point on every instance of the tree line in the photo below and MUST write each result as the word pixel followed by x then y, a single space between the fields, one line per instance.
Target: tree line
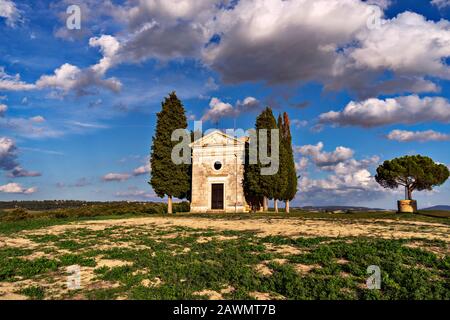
pixel 174 180
pixel 24 210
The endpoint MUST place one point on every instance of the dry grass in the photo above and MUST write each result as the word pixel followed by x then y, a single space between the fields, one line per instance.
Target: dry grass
pixel 201 257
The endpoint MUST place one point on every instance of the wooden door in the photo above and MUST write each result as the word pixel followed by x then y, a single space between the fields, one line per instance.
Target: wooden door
pixel 217 196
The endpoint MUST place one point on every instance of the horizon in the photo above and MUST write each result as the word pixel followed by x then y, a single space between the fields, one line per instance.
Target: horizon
pixel 78 106
pixel 164 201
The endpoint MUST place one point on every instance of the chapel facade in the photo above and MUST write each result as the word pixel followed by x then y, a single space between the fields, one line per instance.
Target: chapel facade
pixel 217 174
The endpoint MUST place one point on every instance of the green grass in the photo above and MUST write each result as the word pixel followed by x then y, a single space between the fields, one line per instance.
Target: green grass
pixel 14 267
pixel 435 214
pixel 9 227
pixel 407 272
pixel 33 292
pixel 422 216
pixel 161 267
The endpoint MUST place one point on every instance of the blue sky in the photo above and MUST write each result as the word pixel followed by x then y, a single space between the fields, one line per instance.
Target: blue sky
pixel 362 81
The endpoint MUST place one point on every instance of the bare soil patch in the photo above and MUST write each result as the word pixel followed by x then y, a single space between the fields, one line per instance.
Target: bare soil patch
pixel 129 258
pixel 305 268
pixel 386 229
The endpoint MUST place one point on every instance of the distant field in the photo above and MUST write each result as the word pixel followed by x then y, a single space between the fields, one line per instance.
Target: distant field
pixel 12 221
pixel 436 213
pixel 259 256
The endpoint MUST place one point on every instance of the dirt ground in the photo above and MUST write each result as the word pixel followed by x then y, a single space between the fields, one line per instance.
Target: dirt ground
pixel 165 230
pixel 386 229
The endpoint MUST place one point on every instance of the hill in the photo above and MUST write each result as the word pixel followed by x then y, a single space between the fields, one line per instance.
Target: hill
pixel 438 208
pixel 339 208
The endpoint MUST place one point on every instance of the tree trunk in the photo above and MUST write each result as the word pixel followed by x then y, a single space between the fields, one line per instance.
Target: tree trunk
pixel 287 206
pixel 169 204
pixel 265 206
pixel 410 194
pixel 275 205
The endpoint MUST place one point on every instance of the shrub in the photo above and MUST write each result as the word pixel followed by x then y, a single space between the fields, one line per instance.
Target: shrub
pixel 182 207
pixel 15 215
pixel 96 209
pixel 33 292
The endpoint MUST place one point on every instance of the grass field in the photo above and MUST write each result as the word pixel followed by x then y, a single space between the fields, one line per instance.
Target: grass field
pixel 263 256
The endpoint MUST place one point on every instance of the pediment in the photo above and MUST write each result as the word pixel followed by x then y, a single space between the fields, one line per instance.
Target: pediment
pixel 216 138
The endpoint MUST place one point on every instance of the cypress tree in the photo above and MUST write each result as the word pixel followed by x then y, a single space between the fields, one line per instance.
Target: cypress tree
pixel 291 188
pixel 259 186
pixel 169 179
pixel 252 189
pixel 266 120
pixel 281 180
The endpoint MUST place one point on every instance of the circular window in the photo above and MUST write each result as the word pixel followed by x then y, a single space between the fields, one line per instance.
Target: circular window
pixel 217 165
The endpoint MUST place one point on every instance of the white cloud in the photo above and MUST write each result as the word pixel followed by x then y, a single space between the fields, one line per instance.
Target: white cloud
pixel 425 45
pixel 219 109
pixel 34 127
pixel 37 127
pixel 19 172
pixel 295 41
pixel 290 38
pixel 51 152
pixel 9 11
pixel 325 159
pixel 211 84
pixel 68 78
pixel 108 47
pixel 299 123
pixel 381 3
pixel 350 182
pixel 293 44
pixel 8 160
pixel 13 83
pixel 353 165
pixel 351 187
pixel 441 4
pixel 421 136
pixel 142 170
pixel 167 29
pixel 37 119
pixel 64 77
pixel 8 153
pixel 3 109
pixel 116 177
pixel 96 15
pixel 247 105
pixel 377 112
pixel 16 188
pixel 81 182
pixel 135 193
pixel 302 164
pixel 86 125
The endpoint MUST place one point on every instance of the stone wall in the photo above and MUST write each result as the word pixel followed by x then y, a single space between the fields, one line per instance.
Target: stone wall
pixel 231 173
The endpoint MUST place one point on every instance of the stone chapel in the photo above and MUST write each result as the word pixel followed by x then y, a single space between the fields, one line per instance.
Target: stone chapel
pixel 217 174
